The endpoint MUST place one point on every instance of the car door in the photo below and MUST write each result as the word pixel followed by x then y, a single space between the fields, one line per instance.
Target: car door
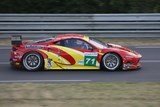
pixel 78 53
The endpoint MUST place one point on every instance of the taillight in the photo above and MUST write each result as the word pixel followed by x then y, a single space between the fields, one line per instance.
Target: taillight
pixel 14 48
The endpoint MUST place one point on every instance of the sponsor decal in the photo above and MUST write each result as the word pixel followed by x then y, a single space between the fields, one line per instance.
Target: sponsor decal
pixel 18 56
pixel 34 46
pixel 90 53
pixel 81 62
pixel 50 63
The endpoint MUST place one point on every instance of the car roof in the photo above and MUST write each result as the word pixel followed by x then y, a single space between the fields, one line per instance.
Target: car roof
pixel 68 36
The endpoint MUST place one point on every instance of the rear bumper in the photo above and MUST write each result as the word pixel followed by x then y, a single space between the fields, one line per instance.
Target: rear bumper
pixel 15 59
pixel 15 64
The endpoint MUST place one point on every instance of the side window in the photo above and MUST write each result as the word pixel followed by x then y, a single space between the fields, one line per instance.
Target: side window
pixel 58 43
pixel 80 44
pixel 66 43
pixel 61 43
pixel 75 43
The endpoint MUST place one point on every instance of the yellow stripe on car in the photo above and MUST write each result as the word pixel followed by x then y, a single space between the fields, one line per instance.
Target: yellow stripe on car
pixel 55 58
pixel 77 55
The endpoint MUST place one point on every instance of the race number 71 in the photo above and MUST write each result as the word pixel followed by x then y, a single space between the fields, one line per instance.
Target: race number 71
pixel 90 61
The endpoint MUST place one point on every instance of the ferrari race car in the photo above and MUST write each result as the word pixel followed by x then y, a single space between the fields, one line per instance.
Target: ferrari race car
pixel 71 51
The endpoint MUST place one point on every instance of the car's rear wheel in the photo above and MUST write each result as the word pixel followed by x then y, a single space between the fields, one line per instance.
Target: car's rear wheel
pixel 111 61
pixel 32 61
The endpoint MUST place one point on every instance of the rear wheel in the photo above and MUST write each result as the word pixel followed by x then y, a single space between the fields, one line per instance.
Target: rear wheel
pixel 111 61
pixel 32 61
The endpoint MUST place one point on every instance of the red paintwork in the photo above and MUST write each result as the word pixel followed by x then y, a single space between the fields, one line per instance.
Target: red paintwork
pixel 128 56
pixel 65 55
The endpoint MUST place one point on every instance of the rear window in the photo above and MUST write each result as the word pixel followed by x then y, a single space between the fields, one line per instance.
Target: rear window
pixel 43 40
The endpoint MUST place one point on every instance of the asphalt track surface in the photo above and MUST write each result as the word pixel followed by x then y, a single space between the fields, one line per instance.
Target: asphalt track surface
pixel 150 71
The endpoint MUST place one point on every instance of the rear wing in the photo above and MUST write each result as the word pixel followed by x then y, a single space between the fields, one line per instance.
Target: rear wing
pixel 16 39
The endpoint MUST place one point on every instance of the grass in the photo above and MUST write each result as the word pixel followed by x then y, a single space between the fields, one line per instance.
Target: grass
pixel 80 95
pixel 5 42
pixel 120 41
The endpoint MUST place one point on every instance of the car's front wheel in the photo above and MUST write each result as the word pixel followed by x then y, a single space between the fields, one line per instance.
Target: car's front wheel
pixel 32 61
pixel 111 61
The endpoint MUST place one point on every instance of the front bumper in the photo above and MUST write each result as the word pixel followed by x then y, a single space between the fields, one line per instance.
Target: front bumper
pixel 132 62
pixel 129 66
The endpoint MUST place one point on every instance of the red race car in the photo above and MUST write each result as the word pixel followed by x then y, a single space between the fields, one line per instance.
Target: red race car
pixel 71 51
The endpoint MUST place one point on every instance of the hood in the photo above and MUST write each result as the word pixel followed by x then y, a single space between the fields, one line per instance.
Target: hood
pixel 110 45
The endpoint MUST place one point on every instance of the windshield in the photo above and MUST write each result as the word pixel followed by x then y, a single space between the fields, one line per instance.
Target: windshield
pixel 97 43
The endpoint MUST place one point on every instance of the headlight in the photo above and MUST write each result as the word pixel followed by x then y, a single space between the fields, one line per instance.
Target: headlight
pixel 130 55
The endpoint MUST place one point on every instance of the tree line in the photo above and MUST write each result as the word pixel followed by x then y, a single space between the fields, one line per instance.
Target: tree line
pixel 79 6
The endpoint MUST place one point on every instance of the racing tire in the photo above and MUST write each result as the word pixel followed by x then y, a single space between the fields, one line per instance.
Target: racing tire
pixel 32 61
pixel 111 61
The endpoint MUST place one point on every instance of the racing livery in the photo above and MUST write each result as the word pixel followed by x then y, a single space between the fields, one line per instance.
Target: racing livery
pixel 71 51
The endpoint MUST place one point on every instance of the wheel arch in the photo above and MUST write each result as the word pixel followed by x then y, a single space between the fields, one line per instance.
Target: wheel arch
pixel 121 59
pixel 33 51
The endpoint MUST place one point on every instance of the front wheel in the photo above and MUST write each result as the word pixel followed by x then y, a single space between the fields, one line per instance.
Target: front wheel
pixel 32 61
pixel 111 61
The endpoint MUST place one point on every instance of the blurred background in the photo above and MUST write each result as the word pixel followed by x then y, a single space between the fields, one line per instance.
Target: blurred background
pixel 79 6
